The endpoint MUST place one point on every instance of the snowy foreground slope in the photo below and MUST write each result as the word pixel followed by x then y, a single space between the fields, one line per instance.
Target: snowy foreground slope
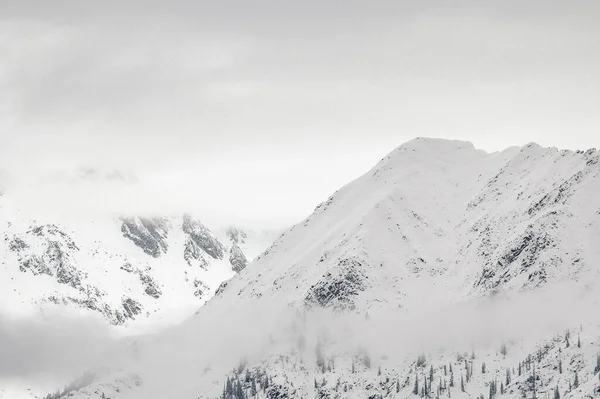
pixel 404 283
pixel 129 271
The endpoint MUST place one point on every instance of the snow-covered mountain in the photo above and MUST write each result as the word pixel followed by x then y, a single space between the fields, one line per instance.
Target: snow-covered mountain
pixel 128 270
pixel 434 228
pixel 470 222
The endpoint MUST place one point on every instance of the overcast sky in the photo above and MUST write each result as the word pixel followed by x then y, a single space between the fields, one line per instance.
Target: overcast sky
pixel 258 110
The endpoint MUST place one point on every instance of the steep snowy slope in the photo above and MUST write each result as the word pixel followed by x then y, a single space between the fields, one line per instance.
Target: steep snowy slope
pixel 434 227
pixel 444 213
pixel 129 270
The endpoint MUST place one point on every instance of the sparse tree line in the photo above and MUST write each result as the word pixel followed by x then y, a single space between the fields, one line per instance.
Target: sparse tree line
pixel 245 384
pixel 428 382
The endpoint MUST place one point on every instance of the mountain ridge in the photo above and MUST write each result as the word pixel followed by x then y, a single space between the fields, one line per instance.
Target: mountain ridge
pixel 435 227
pixel 122 269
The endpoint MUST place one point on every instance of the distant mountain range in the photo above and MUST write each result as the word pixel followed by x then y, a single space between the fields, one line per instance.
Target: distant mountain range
pixel 124 269
pixel 436 225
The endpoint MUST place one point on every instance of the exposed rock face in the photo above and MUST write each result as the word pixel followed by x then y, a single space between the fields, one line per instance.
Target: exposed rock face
pixel 336 289
pixel 66 273
pixel 55 258
pixel 132 307
pixel 150 234
pixel 236 235
pixel 200 289
pixel 36 265
pixel 202 237
pixel 151 287
pixel 92 264
pixel 221 288
pixel 192 252
pixel 17 244
pixel 237 259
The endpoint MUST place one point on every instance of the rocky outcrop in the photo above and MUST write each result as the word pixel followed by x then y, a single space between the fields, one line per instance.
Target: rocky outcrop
pixel 132 307
pixel 338 288
pixel 200 289
pixel 55 257
pixel 150 234
pixel 151 287
pixel 202 237
pixel 92 301
pixel 236 235
pixel 91 264
pixel 17 245
pixel 237 259
pixel 192 252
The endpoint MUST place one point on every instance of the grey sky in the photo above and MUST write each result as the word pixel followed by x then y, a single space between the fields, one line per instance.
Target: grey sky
pixel 256 110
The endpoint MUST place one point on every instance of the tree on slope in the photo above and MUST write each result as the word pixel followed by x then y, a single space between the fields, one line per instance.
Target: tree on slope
pixel 416 386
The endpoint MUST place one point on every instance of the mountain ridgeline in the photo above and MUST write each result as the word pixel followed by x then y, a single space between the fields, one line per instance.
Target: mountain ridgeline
pixel 436 226
pixel 121 269
pixel 441 210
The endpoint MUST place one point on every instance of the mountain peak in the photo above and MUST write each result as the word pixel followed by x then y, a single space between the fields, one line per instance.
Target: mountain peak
pixel 436 144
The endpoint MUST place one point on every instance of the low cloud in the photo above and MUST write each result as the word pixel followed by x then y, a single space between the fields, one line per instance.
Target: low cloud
pixel 54 346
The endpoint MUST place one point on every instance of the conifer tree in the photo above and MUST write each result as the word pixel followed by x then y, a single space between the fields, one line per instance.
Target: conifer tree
pixel 462 384
pixel 576 382
pixel 416 386
pixel 578 341
pixel 483 368
pixel 431 373
pixel 367 360
pixel 534 386
pixel 320 358
pixel 239 392
pixel 560 366
pixel 556 393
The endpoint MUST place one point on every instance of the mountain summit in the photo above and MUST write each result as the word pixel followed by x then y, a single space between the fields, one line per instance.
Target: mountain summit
pixel 435 227
pixel 471 221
